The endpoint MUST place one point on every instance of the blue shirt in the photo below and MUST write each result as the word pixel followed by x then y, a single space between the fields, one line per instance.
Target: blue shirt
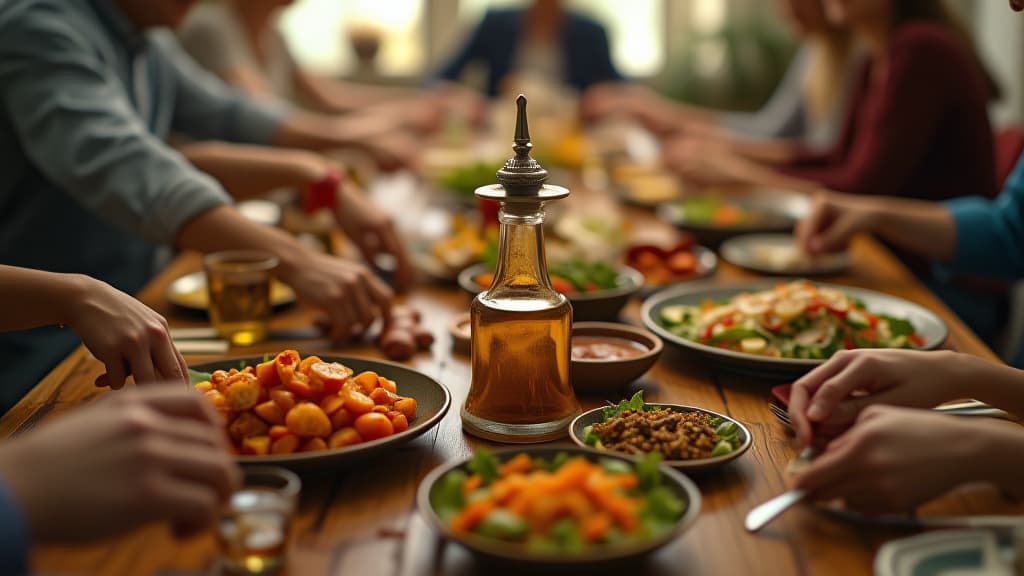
pixel 87 183
pixel 495 43
pixel 990 233
pixel 13 537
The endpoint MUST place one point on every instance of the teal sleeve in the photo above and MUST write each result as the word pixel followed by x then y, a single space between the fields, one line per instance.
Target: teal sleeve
pixel 990 233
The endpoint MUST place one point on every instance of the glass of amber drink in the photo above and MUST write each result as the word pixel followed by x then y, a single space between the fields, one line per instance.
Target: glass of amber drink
pixel 239 286
pixel 253 530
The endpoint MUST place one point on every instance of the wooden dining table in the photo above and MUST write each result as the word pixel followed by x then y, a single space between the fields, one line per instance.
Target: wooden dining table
pixel 361 519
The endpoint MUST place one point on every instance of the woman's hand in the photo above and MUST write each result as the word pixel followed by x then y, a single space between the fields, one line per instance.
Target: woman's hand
pixel 827 401
pixel 123 333
pixel 894 459
pixel 703 162
pixel 833 221
pixel 143 455
pixel 351 296
pixel 373 232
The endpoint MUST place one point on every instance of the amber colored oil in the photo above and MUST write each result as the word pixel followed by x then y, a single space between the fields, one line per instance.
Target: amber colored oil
pixel 520 361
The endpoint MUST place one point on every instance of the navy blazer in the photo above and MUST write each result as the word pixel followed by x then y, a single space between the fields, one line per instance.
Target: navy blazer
pixel 496 41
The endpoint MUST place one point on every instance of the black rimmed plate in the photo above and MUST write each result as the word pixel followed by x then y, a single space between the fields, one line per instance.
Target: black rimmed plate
pixel 432 402
pixel 586 306
pixel 925 322
pixel 189 292
pixel 596 415
pixel 499 551
pixel 779 254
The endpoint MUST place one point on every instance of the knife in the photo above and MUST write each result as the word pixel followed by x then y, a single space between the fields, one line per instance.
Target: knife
pixel 765 513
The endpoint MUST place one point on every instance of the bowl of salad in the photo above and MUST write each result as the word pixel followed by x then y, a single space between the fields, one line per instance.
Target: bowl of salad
pixel 597 290
pixel 715 218
pixel 558 506
pixel 690 439
pixel 784 329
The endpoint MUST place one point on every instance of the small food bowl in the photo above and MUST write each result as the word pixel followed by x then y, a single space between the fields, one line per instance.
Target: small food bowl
pixel 608 374
pixel 586 306
pixel 432 489
pixel 591 417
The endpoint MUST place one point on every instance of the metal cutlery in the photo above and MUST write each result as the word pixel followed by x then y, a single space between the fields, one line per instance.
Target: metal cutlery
pixel 764 513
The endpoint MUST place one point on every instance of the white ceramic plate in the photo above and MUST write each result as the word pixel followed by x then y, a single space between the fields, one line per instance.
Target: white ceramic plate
pixel 780 254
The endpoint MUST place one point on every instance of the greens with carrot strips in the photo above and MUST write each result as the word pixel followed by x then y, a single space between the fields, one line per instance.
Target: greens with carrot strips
pixel 564 505
pixel 633 426
pixel 794 320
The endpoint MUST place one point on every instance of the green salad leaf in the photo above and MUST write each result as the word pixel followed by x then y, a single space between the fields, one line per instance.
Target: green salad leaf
pixel 898 326
pixel 485 464
pixel 195 377
pixel 448 498
pixel 647 471
pixel 634 403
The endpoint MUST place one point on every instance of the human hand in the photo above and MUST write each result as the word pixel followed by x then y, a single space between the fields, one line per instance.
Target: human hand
pixel 149 454
pixel 350 295
pixel 833 220
pixel 373 232
pixel 607 98
pixel 827 401
pixel 393 150
pixel 702 162
pixel 125 334
pixel 893 459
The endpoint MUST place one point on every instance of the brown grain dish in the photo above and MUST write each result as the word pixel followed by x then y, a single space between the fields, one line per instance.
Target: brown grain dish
pixel 677 435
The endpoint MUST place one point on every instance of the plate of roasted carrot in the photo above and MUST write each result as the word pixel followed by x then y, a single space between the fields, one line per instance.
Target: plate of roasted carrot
pixel 307 411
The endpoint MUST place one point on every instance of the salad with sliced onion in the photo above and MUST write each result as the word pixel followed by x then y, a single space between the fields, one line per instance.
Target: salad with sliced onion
pixel 794 320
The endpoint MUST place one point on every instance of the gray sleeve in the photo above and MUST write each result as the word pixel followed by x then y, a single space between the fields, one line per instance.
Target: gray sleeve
pixel 77 126
pixel 783 116
pixel 205 108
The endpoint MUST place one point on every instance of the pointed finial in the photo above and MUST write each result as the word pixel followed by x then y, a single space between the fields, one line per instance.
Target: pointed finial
pixel 522 138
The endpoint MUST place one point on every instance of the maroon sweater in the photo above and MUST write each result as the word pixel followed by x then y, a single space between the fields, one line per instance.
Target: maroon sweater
pixel 921 130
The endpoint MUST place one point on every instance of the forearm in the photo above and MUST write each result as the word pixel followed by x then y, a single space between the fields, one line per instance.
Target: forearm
pixel 771 152
pixel 994 383
pixel 318 132
pixel 998 458
pixel 924 228
pixel 32 298
pixel 752 172
pixel 251 171
pixel 335 97
pixel 223 228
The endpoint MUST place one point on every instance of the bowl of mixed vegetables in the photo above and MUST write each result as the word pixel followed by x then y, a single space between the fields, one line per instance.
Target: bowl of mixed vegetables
pixel 785 329
pixel 597 290
pixel 688 438
pixel 558 505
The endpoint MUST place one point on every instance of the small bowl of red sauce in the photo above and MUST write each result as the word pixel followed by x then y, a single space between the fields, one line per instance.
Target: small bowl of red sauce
pixel 607 356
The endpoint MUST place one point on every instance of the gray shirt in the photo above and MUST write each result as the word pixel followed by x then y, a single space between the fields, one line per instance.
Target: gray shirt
pixel 87 183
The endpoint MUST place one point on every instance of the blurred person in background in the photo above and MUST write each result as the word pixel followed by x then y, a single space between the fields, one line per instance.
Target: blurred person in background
pixel 153 454
pixel 238 40
pixel 917 124
pixel 545 41
pixel 806 109
pixel 89 90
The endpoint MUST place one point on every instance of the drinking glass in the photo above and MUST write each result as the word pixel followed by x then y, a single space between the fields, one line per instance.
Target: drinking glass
pixel 253 530
pixel 239 286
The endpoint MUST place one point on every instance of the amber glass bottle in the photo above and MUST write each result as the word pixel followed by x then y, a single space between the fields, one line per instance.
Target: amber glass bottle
pixel 521 326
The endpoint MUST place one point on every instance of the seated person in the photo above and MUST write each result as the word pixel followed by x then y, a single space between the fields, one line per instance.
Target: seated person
pixel 88 93
pixel 547 41
pixel 153 454
pixel 880 455
pixel 917 125
pixel 806 108
pixel 238 40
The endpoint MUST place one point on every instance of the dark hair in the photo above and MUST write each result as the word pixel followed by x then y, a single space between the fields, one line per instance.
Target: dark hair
pixel 938 12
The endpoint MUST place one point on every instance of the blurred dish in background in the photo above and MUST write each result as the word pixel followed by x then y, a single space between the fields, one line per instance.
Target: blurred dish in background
pixel 645 185
pixel 664 267
pixel 780 254
pixel 715 218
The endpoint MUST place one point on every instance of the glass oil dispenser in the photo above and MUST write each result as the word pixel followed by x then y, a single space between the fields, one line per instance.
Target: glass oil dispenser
pixel 521 326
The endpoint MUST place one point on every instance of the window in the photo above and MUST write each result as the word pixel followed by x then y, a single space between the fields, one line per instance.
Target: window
pixel 320 34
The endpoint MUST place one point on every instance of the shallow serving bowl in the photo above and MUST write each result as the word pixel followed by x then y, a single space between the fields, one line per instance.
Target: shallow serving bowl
pixel 506 552
pixel 774 210
pixel 586 306
pixel 596 415
pixel 432 400
pixel 595 375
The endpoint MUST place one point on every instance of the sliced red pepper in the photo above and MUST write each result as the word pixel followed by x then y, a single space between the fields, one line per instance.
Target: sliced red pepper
pixel 917 340
pixel 848 343
pixel 706 335
pixel 872 320
pixel 728 322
